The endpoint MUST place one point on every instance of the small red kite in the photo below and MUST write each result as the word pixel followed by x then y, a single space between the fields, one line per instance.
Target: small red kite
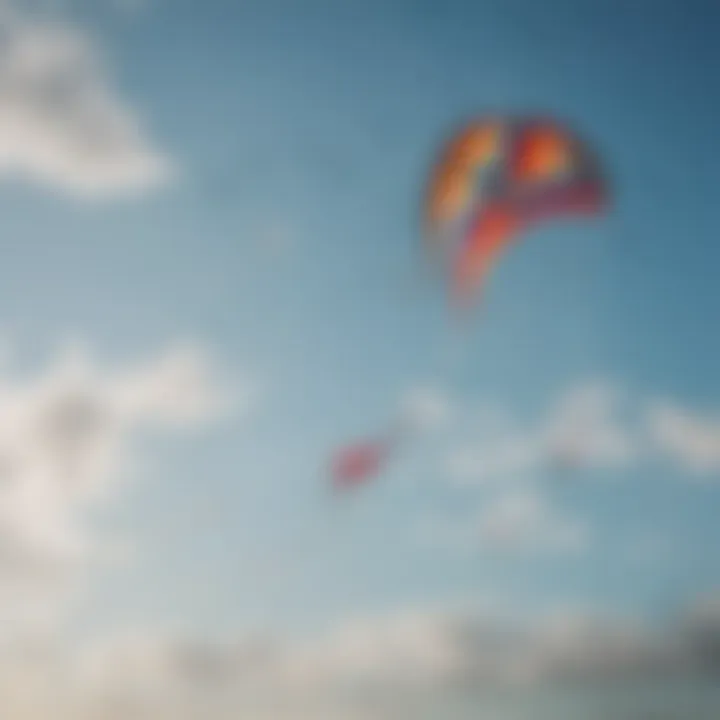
pixel 358 463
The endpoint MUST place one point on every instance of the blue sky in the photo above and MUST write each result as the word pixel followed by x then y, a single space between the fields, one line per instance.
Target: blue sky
pixel 312 124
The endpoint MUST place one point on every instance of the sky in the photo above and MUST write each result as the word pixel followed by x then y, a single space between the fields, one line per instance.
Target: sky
pixel 211 237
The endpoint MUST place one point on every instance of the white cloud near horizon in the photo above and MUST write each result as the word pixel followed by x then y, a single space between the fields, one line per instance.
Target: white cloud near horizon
pixel 63 124
pixel 388 666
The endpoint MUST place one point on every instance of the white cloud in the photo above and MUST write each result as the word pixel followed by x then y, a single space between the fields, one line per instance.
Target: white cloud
pixel 522 521
pixel 66 438
pixel 590 428
pixel 426 407
pixel 62 123
pixel 690 439
pixel 583 430
pixel 516 522
pixel 496 461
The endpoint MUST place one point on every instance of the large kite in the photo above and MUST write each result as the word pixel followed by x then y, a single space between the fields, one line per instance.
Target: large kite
pixel 498 178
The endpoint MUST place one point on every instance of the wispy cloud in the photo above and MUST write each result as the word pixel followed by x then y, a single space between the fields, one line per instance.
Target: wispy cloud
pixel 426 407
pixel 524 522
pixel 62 122
pixel 587 429
pixel 495 461
pixel 592 426
pixel 691 440
pixel 516 522
pixel 582 430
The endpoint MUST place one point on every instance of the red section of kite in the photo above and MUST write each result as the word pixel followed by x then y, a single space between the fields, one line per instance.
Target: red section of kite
pixel 358 463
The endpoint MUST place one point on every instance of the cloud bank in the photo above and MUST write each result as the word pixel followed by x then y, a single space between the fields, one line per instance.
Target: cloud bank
pixel 399 665
pixel 67 437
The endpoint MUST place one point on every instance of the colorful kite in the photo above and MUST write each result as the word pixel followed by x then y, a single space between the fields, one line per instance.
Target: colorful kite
pixel 500 177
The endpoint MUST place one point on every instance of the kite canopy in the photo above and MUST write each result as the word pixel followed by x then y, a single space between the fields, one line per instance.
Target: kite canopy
pixel 498 177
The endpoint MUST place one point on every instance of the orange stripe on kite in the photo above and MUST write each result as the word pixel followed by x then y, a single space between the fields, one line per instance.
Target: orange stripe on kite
pixel 540 153
pixel 453 187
